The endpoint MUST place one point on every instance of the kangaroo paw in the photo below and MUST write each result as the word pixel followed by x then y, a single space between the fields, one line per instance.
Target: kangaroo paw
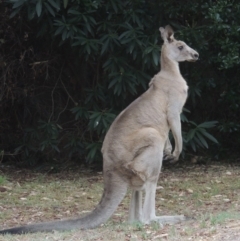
pixel 169 158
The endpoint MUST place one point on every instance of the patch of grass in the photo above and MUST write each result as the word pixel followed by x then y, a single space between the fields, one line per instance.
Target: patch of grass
pixel 172 231
pixel 211 198
pixel 156 226
pixel 3 179
pixel 203 221
pixel 189 231
pixel 138 226
pixel 145 236
pixel 222 217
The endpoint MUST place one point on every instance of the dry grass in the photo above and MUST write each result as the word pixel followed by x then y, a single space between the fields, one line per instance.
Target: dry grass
pixel 211 195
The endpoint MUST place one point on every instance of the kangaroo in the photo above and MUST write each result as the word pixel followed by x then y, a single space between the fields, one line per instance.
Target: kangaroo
pixel 134 144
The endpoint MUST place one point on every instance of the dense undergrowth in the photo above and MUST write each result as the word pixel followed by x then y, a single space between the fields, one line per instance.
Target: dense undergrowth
pixel 67 68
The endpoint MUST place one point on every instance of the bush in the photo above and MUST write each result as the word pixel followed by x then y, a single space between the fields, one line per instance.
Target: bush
pixel 92 58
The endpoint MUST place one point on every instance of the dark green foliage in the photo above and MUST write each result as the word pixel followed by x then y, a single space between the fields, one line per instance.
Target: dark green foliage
pixel 63 89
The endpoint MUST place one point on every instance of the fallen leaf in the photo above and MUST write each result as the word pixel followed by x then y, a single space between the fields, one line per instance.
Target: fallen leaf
pixel 217 196
pixel 8 188
pixel 189 190
pixel 45 198
pixel 174 180
pixel 160 236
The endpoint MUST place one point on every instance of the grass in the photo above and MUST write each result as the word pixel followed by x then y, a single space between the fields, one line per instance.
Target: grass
pixel 210 196
pixel 222 217
pixel 3 179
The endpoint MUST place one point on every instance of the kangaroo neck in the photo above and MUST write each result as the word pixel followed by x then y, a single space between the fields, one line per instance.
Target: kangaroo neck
pixel 169 66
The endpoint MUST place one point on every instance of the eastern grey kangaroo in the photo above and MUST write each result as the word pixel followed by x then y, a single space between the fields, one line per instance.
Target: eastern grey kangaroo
pixel 133 147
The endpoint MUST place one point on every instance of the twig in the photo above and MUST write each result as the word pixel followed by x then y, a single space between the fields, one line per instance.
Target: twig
pixel 50 117
pixel 63 109
pixel 39 62
pixel 75 103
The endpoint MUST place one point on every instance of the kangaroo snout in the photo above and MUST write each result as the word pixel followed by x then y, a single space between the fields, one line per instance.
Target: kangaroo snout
pixel 195 56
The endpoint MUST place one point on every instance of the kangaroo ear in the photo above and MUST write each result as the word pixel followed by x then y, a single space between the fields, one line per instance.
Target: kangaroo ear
pixel 167 34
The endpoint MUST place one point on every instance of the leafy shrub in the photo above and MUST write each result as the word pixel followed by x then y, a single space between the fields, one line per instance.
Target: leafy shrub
pixel 94 57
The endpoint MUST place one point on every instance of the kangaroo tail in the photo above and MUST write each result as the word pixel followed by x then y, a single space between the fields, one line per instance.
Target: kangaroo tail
pixel 114 191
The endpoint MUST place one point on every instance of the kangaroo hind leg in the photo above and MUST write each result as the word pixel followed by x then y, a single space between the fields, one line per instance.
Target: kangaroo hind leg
pixel 145 170
pixel 149 208
pixel 145 167
pixel 135 209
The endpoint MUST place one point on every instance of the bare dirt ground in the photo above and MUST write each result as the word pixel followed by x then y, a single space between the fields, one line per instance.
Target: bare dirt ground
pixel 209 194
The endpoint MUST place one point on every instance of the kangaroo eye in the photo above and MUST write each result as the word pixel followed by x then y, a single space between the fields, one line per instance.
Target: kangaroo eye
pixel 180 47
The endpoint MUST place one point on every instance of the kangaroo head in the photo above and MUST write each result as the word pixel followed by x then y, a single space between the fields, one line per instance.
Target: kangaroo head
pixel 176 50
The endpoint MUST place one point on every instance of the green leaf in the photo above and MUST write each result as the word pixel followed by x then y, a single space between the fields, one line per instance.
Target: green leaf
pixel 114 6
pixel 131 47
pixel 199 142
pixel 65 3
pixel 64 34
pixel 59 30
pixel 209 136
pixel 73 11
pixel 16 11
pixel 201 138
pixel 105 46
pixel 183 117
pixel 124 34
pixel 55 148
pixel 192 144
pixel 193 123
pixel 208 124
pixel 54 4
pixel 132 89
pixel 104 123
pixel 93 114
pixel 148 50
pixel 39 7
pixel 96 121
pixel 191 134
pixel 155 56
pixel 87 47
pixel 93 20
pixel 126 40
pixel 49 8
pixel 18 4
pixel 88 26
pixel 93 149
pixel 186 110
pixel 113 82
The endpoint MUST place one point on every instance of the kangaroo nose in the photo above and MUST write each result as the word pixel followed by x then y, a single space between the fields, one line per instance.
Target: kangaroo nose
pixel 196 55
